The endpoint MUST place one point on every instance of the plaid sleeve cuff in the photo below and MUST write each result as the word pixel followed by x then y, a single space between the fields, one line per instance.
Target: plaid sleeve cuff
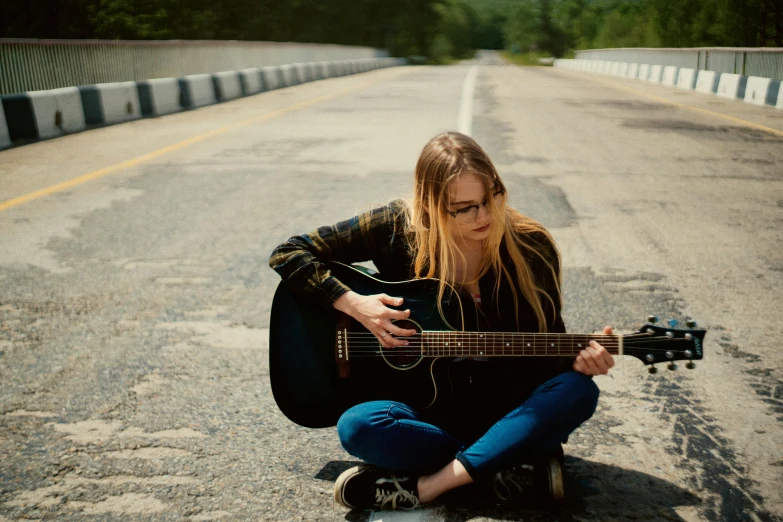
pixel 332 289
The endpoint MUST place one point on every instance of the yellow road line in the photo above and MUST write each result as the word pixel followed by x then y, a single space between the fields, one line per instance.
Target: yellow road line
pixel 5 205
pixel 682 106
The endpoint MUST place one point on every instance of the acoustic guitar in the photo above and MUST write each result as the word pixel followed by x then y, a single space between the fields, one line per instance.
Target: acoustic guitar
pixel 322 362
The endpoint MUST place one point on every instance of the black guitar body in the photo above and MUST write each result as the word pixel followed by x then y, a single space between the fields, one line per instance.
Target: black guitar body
pixel 302 346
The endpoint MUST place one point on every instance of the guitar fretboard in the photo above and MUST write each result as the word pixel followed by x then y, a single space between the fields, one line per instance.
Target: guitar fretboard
pixel 499 344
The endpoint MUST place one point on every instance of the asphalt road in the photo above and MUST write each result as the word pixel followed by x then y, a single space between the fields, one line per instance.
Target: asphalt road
pixel 134 301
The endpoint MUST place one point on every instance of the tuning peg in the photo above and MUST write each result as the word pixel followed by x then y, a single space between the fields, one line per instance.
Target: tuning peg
pixel 652 318
pixel 690 323
pixel 690 365
pixel 652 369
pixel 673 323
pixel 671 366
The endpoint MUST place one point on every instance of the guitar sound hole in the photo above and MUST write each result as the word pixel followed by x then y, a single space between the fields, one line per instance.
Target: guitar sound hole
pixel 405 356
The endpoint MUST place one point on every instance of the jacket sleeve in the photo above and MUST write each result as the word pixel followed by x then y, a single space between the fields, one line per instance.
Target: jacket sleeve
pixel 299 260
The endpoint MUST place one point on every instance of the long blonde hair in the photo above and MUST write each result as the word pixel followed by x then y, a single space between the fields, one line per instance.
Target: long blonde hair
pixel 433 246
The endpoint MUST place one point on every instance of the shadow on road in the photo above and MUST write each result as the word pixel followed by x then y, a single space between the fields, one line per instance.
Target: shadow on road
pixel 596 490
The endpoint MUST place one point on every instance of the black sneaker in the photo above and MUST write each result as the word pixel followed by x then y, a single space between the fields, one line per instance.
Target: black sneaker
pixel 369 487
pixel 531 483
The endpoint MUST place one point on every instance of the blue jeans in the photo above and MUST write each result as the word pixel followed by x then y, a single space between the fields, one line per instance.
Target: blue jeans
pixel 395 436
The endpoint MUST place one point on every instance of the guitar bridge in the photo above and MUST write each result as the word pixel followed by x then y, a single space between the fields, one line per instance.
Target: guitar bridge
pixel 341 346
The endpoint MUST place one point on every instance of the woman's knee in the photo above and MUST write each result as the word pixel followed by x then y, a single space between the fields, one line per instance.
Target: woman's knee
pixel 582 389
pixel 359 425
pixel 589 392
pixel 352 427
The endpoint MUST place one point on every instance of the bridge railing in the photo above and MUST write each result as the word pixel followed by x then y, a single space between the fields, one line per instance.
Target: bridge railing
pixel 32 65
pixel 763 62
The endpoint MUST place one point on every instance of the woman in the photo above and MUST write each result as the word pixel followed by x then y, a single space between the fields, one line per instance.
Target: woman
pixel 502 413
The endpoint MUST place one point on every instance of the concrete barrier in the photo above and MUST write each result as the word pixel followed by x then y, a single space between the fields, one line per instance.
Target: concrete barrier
pixel 633 70
pixel 290 75
pixel 644 71
pixel 158 96
pixel 302 72
pixel 732 86
pixel 614 68
pixel 623 69
pixel 319 72
pixel 252 81
pixel 335 69
pixel 686 79
pixel 47 114
pixel 779 104
pixel 196 90
pixel 656 72
pixel 707 82
pixel 227 85
pixel 272 77
pixel 43 114
pixel 762 91
pixel 669 76
pixel 5 138
pixel 108 103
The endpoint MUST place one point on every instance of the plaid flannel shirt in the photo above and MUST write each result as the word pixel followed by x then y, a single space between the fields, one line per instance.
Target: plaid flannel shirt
pixel 375 236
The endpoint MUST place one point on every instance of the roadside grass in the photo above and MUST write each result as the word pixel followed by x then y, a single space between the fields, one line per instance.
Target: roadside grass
pixel 530 58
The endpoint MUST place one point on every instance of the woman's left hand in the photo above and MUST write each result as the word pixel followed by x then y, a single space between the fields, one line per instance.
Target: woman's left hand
pixel 594 360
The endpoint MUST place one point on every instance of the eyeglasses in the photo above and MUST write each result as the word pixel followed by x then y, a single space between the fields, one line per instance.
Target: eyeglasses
pixel 469 214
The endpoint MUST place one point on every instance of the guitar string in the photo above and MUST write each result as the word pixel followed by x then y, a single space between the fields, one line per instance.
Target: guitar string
pixel 395 351
pixel 538 343
pixel 436 334
pixel 368 340
pixel 471 346
pixel 415 353
pixel 648 346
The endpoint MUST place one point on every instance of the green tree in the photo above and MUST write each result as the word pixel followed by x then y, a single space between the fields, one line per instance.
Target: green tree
pixel 523 27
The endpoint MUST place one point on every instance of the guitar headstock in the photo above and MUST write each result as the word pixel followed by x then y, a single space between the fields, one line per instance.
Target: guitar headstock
pixel 657 344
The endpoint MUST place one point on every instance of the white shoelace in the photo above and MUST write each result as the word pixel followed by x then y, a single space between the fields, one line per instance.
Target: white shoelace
pixel 383 497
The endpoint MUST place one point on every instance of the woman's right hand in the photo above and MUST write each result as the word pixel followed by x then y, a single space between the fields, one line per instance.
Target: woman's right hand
pixel 374 314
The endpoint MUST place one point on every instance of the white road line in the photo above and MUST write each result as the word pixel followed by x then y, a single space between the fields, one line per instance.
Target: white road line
pixel 464 125
pixel 400 516
pixel 465 119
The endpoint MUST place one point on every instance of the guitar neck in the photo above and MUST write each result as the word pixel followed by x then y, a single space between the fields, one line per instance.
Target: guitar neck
pixel 506 344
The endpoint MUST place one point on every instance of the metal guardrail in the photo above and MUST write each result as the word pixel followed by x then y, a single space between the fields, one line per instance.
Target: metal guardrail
pixel 32 65
pixel 763 62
